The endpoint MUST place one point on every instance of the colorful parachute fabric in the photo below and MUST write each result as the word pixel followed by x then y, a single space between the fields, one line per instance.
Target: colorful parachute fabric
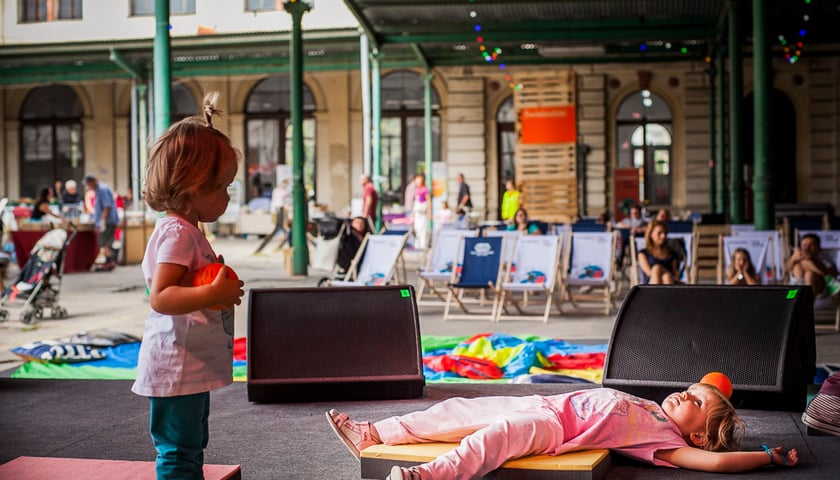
pixel 485 357
pixel 503 358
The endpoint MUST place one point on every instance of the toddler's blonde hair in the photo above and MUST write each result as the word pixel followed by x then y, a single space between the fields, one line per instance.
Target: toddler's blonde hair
pixel 186 160
pixel 724 429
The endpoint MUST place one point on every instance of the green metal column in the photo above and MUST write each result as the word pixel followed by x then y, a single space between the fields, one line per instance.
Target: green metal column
pixel 162 81
pixel 142 138
pixel 427 140
pixel 762 160
pixel 139 122
pixel 720 163
pixel 364 60
pixel 300 254
pixel 712 137
pixel 376 129
pixel 736 79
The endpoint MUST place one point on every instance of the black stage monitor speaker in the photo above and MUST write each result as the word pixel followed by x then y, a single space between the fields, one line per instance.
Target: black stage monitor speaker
pixel 342 343
pixel 668 337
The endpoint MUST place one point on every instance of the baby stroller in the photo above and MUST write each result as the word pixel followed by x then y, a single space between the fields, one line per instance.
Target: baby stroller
pixel 35 285
pixel 344 248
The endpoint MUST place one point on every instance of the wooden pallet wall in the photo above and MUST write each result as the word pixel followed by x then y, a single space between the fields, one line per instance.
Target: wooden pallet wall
pixel 546 172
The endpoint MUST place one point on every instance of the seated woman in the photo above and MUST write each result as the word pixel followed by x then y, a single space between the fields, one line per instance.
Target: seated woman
pixel 659 264
pixel 41 209
pixel 522 224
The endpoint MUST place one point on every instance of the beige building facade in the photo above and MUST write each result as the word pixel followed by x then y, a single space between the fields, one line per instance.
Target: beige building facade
pixel 470 140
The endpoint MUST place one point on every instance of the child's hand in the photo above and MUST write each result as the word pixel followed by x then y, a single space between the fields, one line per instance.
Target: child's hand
pixel 227 292
pixel 782 459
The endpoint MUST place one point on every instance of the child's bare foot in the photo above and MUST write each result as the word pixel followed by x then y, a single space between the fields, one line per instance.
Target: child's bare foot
pixel 356 435
pixel 400 473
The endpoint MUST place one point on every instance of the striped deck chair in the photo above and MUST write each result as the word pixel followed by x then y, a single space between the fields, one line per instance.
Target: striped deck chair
pixel 760 250
pixel 378 264
pixel 442 259
pixel 480 271
pixel 534 269
pixel 592 268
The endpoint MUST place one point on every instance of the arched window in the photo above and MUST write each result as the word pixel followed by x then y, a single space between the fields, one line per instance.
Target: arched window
pixel 183 104
pixel 269 136
pixel 644 135
pixel 402 141
pixel 506 141
pixel 51 138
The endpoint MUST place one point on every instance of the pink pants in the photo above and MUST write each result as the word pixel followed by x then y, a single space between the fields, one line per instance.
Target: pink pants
pixel 491 431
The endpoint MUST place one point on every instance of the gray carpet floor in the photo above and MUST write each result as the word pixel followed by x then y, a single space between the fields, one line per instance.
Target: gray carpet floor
pixel 104 420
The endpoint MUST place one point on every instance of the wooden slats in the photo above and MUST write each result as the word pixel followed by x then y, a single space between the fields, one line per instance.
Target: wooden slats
pixel 546 172
pixel 547 89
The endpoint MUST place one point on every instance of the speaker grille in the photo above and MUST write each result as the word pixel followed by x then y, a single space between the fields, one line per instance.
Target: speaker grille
pixel 667 337
pixel 350 343
pixel 333 333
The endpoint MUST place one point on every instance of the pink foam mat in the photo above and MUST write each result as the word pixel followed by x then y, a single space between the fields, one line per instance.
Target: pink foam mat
pixel 49 468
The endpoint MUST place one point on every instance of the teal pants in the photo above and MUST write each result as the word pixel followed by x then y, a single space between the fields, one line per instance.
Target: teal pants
pixel 180 432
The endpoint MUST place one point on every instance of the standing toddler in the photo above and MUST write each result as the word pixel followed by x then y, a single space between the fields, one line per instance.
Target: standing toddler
pixel 187 347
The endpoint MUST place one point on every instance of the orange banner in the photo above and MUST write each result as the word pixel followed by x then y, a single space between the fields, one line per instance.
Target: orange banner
pixel 549 125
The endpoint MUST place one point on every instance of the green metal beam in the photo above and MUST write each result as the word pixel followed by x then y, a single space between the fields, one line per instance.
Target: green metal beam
pixel 108 71
pixel 236 42
pixel 364 23
pixel 592 35
pixel 138 73
pixel 421 56
pixel 537 25
pixel 391 59
pixel 508 60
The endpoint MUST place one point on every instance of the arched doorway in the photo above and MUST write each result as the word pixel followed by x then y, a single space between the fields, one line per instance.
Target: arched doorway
pixel 182 103
pixel 644 134
pixel 50 138
pixel 402 126
pixel 782 152
pixel 268 132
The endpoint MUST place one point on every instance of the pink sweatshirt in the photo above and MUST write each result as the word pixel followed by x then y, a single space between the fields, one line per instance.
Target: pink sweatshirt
pixel 492 430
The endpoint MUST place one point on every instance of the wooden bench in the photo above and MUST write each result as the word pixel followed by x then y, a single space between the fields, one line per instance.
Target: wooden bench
pixel 377 460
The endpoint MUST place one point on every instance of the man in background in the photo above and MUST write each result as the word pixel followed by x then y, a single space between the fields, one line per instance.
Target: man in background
pixel 807 267
pixel 464 201
pixel 105 220
pixel 370 199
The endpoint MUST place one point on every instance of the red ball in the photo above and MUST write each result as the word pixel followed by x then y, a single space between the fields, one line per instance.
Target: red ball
pixel 208 273
pixel 719 380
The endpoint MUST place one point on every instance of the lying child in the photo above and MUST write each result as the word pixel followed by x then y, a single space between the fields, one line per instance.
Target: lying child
pixel 696 429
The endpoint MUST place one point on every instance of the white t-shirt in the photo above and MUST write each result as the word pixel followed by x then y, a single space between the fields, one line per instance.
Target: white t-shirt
pixel 183 354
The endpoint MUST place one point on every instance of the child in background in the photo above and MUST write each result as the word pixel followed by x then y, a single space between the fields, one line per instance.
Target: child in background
pixel 741 270
pixel 421 210
pixel 444 215
pixel 696 429
pixel 187 347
